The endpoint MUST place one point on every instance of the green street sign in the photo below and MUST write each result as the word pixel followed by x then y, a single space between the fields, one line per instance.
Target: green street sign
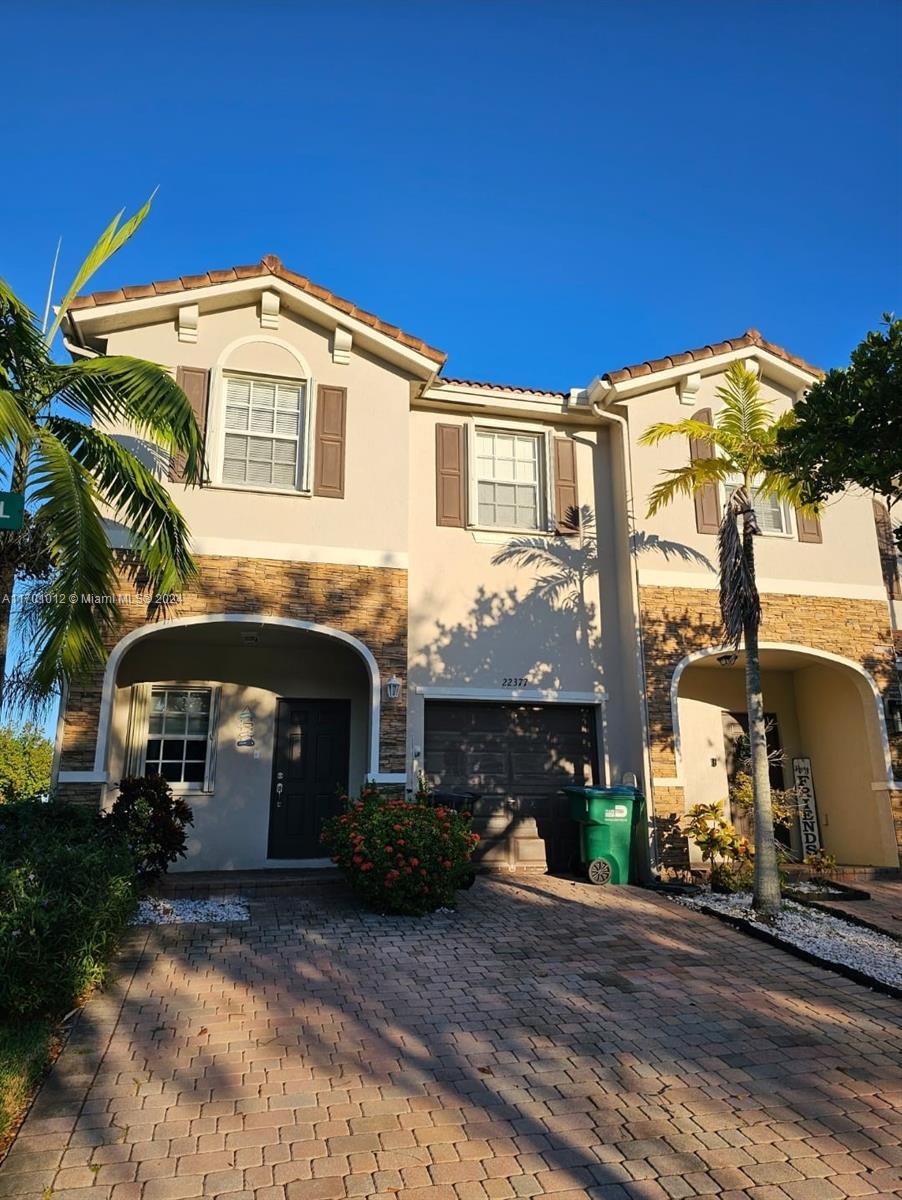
pixel 12 510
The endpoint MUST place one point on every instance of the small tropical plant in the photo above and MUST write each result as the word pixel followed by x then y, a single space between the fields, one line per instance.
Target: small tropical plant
pixel 73 474
pixel 401 857
pixel 152 821
pixel 744 436
pixel 821 863
pixel 729 854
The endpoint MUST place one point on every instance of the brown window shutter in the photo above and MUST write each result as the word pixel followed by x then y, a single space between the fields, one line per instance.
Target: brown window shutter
pixel 450 476
pixel 707 502
pixel 808 527
pixel 886 543
pixel 195 383
pixel 566 500
pixel 329 455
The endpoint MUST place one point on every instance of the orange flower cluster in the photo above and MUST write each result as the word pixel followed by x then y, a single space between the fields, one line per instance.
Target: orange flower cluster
pixel 415 872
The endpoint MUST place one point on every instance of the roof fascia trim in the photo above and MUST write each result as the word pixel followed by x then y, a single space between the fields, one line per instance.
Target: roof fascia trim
pixel 603 390
pixel 327 314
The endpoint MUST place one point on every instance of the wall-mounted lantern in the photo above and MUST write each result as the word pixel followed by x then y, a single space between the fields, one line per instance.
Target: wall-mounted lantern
pixel 393 688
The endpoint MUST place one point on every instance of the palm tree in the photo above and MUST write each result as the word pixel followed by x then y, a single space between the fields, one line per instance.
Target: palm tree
pixel 75 477
pixel 743 435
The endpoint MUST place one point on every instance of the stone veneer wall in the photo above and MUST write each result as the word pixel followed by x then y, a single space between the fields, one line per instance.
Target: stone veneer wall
pixel 368 602
pixel 680 621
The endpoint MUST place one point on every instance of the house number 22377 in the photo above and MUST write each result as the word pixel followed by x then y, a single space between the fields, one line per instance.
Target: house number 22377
pixel 515 681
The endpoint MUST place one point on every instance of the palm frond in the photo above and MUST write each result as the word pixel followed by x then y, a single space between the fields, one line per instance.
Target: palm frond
pixel 689 428
pixel 118 390
pixel 739 599
pixel 158 532
pixel 687 480
pixel 745 414
pixel 20 336
pixel 68 636
pixel 112 239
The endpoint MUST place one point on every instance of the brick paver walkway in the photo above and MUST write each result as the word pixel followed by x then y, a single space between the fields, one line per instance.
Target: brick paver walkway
pixel 883 910
pixel 548 1038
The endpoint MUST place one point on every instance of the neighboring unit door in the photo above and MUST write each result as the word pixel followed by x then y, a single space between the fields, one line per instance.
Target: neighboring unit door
pixel 518 757
pixel 310 772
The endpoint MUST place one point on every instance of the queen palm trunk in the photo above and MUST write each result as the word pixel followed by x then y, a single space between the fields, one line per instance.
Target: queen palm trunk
pixel 767 874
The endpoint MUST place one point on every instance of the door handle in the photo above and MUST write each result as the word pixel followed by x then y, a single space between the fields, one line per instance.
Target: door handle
pixel 278 795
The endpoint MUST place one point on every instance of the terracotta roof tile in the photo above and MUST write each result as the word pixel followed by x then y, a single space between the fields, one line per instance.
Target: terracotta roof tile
pixel 480 385
pixel 270 264
pixel 751 337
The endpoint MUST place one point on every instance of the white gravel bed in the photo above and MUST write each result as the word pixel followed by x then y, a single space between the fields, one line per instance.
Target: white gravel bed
pixel 827 936
pixel 818 889
pixel 181 912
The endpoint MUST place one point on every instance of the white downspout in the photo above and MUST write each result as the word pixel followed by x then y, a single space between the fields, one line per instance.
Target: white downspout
pixel 596 391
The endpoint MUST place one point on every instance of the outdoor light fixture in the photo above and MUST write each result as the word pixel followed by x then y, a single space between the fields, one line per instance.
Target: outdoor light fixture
pixel 393 688
pixel 727 660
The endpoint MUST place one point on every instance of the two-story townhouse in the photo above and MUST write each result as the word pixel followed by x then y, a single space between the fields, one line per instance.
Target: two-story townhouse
pixel 392 581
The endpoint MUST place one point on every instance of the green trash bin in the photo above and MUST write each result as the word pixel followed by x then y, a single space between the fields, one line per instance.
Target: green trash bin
pixel 607 819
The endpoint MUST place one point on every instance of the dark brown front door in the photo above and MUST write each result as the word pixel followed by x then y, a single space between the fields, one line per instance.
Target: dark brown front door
pixel 310 769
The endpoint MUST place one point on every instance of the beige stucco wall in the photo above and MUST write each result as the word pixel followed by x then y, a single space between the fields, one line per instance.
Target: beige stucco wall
pixel 837 725
pixel 231 823
pixel 373 514
pixel 475 622
pixel 847 558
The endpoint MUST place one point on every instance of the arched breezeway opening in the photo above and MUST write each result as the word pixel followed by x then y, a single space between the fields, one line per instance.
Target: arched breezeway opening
pixel 822 710
pixel 259 721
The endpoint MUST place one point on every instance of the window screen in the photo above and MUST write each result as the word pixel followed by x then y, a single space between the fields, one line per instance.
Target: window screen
pixel 263 432
pixel 508 475
pixel 177 734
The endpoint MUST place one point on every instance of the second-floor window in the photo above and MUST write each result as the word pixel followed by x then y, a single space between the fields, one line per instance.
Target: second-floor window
pixel 509 479
pixel 264 432
pixel 773 515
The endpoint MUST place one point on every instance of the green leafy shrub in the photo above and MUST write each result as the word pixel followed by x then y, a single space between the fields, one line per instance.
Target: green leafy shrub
pixel 67 890
pixel 152 821
pixel 402 857
pixel 821 862
pixel 25 759
pixel 729 854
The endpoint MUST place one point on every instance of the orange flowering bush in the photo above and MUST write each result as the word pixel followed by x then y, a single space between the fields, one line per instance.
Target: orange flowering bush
pixel 402 857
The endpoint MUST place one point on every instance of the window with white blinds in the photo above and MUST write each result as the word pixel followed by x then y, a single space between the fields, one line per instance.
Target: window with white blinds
pixel 264 432
pixel 772 514
pixel 509 479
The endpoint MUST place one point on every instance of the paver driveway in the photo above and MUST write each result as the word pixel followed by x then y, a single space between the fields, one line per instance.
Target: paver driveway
pixel 549 1037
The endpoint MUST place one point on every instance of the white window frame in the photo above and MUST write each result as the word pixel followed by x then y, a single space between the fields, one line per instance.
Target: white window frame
pixel 304 484
pixel 788 531
pixel 546 501
pixel 182 685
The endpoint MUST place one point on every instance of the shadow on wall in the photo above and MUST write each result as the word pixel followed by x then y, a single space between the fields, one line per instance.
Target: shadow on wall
pixel 558 626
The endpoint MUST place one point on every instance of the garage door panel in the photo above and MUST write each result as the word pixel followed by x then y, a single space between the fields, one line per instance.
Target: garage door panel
pixel 518 756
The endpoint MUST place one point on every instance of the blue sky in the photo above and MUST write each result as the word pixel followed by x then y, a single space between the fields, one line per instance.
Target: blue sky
pixel 544 190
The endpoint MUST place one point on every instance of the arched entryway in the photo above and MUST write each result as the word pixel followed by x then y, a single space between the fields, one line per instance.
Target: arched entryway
pixel 822 710
pixel 259 721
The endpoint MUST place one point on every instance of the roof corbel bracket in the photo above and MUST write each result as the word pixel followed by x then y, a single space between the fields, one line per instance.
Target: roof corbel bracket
pixel 189 315
pixel 269 310
pixel 342 340
pixel 689 388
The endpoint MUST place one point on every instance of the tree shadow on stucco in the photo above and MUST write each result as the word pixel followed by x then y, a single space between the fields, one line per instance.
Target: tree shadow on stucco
pixel 548 635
